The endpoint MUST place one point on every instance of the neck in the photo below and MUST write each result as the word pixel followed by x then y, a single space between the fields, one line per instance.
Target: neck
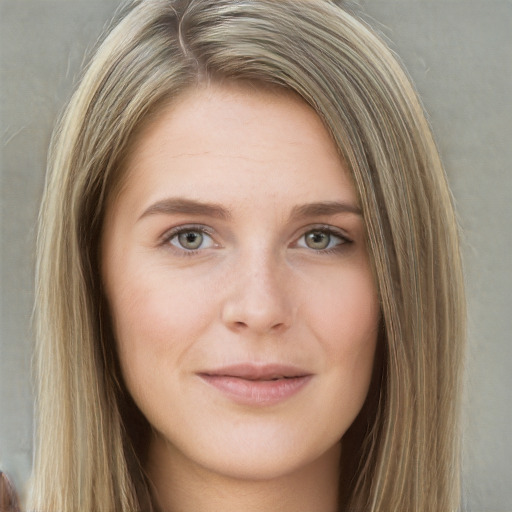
pixel 181 485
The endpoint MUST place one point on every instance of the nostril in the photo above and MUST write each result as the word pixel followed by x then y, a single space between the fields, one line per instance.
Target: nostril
pixel 258 308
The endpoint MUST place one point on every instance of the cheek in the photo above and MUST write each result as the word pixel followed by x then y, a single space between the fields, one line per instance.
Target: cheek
pixel 345 318
pixel 346 308
pixel 156 320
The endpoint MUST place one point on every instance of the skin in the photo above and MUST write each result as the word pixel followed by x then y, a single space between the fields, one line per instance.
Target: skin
pixel 272 280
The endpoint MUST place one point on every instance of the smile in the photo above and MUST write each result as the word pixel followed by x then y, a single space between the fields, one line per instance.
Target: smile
pixel 257 385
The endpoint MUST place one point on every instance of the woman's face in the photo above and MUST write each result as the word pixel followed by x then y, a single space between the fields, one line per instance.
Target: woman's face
pixel 235 266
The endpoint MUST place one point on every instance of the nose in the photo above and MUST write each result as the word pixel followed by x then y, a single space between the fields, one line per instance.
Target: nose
pixel 259 298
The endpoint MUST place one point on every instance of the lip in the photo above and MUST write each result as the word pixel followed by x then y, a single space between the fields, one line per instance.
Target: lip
pixel 257 385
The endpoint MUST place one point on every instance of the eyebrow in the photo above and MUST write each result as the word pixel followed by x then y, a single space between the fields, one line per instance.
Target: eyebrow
pixel 324 208
pixel 171 206
pixel 188 207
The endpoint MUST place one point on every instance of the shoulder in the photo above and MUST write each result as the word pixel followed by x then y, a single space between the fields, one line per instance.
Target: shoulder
pixel 8 497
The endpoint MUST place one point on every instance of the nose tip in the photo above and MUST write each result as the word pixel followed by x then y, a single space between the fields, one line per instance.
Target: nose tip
pixel 258 301
pixel 258 326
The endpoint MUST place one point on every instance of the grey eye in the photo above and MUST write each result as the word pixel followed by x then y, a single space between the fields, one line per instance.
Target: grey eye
pixel 189 240
pixel 317 240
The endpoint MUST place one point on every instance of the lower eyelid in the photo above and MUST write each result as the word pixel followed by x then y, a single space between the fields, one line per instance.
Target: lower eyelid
pixel 165 239
pixel 344 239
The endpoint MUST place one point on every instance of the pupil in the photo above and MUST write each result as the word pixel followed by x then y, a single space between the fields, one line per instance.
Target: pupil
pixel 318 240
pixel 191 240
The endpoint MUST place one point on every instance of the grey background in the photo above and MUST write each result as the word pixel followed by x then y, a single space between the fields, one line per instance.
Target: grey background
pixel 458 53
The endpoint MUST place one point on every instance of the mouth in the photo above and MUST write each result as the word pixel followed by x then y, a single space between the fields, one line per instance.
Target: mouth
pixel 257 385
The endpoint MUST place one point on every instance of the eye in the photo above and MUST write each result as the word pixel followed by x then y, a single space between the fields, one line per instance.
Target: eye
pixel 189 239
pixel 323 239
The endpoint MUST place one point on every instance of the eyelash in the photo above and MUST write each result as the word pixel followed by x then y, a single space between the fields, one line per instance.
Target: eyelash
pixel 331 231
pixel 175 232
pixel 328 230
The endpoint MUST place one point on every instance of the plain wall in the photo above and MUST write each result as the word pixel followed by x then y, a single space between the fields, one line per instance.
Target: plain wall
pixel 459 54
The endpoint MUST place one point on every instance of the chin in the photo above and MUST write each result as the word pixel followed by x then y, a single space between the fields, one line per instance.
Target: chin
pixel 256 454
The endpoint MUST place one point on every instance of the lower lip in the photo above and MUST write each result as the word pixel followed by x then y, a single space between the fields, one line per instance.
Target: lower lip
pixel 256 392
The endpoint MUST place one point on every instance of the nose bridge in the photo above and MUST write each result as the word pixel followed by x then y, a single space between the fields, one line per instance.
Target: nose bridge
pixel 259 296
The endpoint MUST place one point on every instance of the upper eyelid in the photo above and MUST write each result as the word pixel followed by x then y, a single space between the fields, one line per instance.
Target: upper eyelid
pixel 165 240
pixel 176 230
pixel 172 232
pixel 328 229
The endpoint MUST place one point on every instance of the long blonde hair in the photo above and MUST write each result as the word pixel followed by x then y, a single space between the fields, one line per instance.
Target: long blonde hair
pixel 402 453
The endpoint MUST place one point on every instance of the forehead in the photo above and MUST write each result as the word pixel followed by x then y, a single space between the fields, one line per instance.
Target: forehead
pixel 229 142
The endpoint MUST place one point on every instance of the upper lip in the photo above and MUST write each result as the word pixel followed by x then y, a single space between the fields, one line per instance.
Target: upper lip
pixel 250 371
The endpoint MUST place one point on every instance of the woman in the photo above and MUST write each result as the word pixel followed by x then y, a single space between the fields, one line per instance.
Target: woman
pixel 249 294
